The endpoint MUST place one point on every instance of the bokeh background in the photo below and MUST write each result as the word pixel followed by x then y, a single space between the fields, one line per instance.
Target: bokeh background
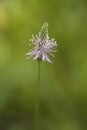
pixel 63 90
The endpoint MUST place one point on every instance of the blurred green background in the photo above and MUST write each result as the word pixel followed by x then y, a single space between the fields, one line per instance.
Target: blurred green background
pixel 63 91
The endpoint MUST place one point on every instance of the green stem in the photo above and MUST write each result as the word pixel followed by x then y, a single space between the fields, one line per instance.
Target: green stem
pixel 36 123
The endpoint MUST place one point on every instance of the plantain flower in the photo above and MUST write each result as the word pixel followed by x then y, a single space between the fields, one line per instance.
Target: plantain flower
pixel 42 45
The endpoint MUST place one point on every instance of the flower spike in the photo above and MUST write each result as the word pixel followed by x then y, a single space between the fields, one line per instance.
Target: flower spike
pixel 43 47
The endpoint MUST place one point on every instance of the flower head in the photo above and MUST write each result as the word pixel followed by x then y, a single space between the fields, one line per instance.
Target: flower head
pixel 42 45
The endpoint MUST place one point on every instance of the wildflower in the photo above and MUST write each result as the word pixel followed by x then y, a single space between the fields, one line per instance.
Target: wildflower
pixel 42 45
